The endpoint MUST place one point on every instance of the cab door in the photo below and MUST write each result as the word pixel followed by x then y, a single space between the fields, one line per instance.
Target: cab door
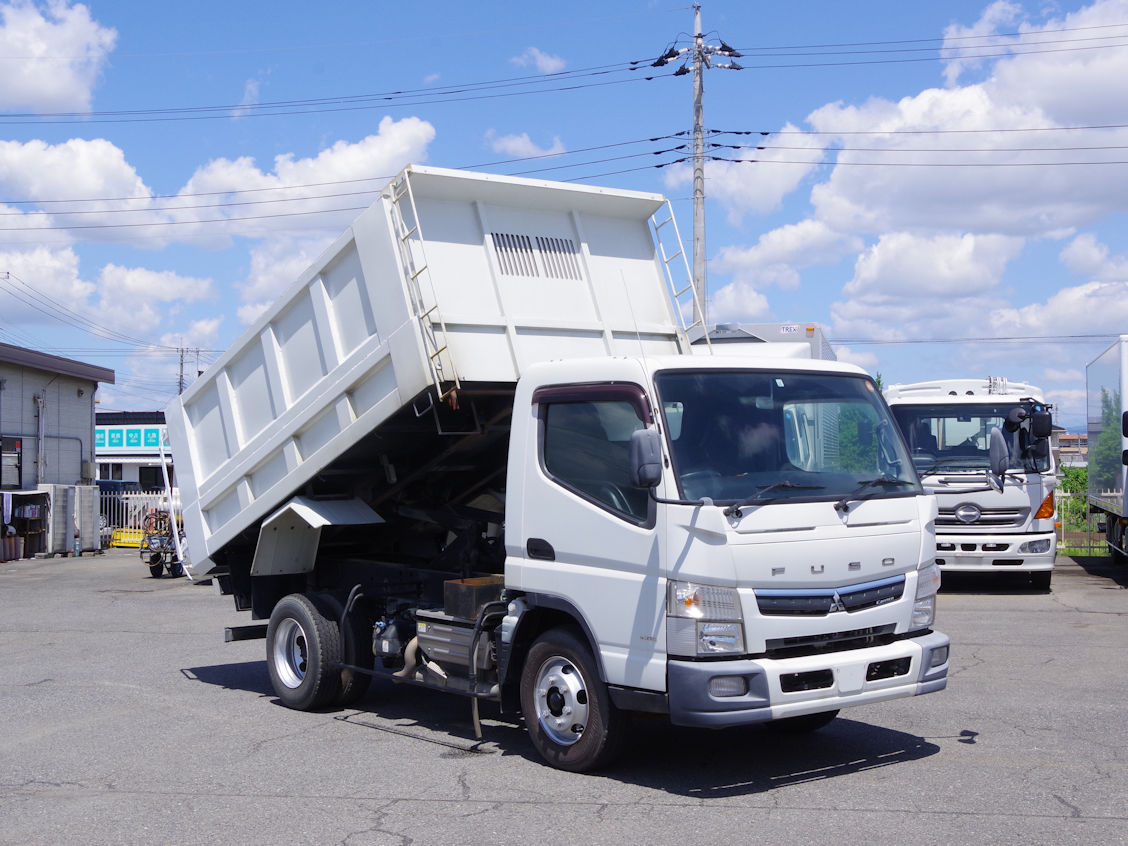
pixel 591 539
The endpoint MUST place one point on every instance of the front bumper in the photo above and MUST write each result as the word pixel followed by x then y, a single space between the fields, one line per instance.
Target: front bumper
pixel 854 677
pixel 970 553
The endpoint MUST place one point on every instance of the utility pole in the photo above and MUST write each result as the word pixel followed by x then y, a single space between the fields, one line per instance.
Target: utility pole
pixel 180 379
pixel 700 59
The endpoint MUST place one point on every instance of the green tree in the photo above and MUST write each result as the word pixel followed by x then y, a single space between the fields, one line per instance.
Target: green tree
pixel 1074 480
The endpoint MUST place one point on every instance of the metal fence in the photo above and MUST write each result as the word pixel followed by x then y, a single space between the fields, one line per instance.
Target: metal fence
pixel 1078 530
pixel 122 514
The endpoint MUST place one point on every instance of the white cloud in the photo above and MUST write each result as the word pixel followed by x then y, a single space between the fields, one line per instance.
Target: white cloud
pixel 962 42
pixel 132 283
pixel 250 98
pixel 902 265
pixel 48 291
pixel 543 62
pixel 1052 374
pixel 776 258
pixel 521 146
pixel 1095 307
pixel 739 302
pixel 1072 86
pixel 52 56
pixel 865 360
pixel 295 196
pixel 1086 256
pixel 43 277
pixel 197 334
pixel 432 78
pixel 377 157
pixel 275 264
pixel 913 286
pixel 76 168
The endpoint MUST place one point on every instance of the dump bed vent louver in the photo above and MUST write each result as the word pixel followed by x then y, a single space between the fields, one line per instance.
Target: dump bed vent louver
pixel 521 255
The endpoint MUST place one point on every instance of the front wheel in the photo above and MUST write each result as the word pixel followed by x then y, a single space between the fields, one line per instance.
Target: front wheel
pixel 568 711
pixel 1041 579
pixel 303 649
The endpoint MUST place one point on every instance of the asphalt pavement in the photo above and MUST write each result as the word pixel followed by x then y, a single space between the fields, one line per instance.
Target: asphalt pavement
pixel 127 719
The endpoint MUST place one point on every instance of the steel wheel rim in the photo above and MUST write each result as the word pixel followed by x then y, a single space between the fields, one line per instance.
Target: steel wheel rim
pixel 561 701
pixel 291 653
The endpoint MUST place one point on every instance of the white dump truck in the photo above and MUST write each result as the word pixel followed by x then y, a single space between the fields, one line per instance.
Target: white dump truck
pixel 1106 379
pixel 471 448
pixel 983 447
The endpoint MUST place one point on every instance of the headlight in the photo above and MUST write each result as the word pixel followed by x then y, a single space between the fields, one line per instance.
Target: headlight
pixel 703 620
pixel 924 608
pixel 1032 547
pixel 928 581
pixel 924 612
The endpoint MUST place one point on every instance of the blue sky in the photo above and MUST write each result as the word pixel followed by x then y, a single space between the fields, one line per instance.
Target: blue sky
pixel 937 182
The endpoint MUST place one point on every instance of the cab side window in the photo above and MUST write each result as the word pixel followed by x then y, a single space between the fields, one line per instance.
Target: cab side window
pixel 586 448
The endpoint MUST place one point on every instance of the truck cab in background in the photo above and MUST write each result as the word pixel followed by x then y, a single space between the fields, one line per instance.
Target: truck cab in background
pixel 983 447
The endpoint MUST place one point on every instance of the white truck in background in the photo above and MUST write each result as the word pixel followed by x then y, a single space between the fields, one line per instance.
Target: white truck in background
pixel 983 447
pixel 471 449
pixel 1106 381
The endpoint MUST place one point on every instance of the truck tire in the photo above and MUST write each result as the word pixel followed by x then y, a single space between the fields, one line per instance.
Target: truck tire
pixel 803 724
pixel 568 711
pixel 302 647
pixel 356 649
pixel 1041 580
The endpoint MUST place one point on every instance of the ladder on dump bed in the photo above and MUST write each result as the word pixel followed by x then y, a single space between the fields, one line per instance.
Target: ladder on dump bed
pixel 685 298
pixel 409 239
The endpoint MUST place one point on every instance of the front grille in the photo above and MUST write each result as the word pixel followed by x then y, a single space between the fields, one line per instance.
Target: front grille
pixel 990 518
pixel 822 601
pixel 796 647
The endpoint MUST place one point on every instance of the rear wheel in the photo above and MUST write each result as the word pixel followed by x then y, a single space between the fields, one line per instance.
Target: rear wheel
pixel 356 649
pixel 568 710
pixel 302 648
pixel 804 723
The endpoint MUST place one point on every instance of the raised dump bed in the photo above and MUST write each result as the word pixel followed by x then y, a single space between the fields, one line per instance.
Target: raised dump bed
pixel 377 372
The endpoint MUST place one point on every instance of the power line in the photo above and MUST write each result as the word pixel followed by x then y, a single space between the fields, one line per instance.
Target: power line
pixel 1003 339
pixel 225 112
pixel 31 297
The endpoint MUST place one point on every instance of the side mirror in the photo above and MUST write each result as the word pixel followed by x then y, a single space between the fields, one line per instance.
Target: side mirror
pixel 1124 458
pixel 646 458
pixel 1124 424
pixel 1000 459
pixel 1041 424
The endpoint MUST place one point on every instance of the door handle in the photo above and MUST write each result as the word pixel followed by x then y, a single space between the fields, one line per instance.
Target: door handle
pixel 540 549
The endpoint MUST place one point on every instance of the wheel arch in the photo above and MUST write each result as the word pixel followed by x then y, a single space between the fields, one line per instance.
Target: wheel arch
pixel 544 612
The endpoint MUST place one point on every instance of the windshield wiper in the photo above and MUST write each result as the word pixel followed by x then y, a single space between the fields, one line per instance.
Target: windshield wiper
pixel 759 497
pixel 859 492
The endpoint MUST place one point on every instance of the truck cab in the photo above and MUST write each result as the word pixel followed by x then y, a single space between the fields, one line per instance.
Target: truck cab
pixel 991 518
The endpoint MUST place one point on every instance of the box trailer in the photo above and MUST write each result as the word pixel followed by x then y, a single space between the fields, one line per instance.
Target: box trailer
pixel 1106 377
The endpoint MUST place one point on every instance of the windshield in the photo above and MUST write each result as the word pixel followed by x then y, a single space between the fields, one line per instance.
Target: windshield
pixel 739 435
pixel 951 438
